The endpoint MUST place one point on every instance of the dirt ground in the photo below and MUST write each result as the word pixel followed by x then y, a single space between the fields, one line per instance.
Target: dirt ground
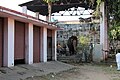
pixel 84 72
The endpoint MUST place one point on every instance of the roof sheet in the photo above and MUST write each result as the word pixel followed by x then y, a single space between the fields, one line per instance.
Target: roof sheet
pixel 61 5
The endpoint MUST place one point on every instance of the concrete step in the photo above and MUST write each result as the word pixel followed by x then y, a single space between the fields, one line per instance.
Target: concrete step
pixel 73 58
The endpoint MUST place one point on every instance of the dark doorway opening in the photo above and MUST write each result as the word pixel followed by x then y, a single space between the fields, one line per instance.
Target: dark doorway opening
pixel 1 41
pixel 19 48
pixel 49 48
pixel 36 44
pixel 19 61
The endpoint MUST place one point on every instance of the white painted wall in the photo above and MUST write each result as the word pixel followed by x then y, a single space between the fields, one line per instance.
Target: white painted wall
pixel 24 9
pixel 9 42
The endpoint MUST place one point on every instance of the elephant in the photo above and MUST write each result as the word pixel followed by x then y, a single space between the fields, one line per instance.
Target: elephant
pixel 72 44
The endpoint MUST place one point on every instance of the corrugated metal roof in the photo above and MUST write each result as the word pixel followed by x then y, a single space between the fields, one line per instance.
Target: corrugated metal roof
pixel 61 5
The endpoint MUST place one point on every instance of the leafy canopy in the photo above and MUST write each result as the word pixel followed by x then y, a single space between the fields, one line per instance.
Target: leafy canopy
pixel 114 19
pixel 114 11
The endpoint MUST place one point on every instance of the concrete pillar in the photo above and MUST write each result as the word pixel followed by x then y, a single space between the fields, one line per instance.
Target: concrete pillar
pixel 103 30
pixel 8 42
pixel 37 15
pixel 47 18
pixel 54 39
pixel 24 9
pixel 44 44
pixel 29 43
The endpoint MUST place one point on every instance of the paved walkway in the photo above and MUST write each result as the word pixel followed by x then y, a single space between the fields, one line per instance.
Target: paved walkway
pixel 20 72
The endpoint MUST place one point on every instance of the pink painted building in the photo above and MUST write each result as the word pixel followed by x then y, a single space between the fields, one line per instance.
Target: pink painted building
pixel 25 39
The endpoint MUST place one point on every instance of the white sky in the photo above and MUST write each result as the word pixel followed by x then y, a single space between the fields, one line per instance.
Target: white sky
pixel 13 4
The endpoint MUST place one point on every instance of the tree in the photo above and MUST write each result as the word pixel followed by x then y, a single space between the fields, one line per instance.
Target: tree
pixel 114 32
pixel 114 13
pixel 113 17
pixel 114 36
pixel 114 22
pixel 83 46
pixel 50 7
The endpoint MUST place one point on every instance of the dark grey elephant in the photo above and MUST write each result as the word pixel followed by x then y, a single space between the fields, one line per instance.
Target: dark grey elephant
pixel 72 44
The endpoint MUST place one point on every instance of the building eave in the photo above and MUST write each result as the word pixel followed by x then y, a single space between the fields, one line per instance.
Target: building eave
pixel 5 12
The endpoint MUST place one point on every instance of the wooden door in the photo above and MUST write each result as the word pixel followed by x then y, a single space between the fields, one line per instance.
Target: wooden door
pixel 36 44
pixel 19 40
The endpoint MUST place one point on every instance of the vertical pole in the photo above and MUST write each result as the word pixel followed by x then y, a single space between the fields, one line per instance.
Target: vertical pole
pixel 49 10
pixel 103 30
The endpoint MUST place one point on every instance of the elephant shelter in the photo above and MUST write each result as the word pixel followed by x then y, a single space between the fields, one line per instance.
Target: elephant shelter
pixel 39 6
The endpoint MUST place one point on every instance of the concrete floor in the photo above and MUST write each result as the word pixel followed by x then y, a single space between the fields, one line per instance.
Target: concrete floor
pixel 20 72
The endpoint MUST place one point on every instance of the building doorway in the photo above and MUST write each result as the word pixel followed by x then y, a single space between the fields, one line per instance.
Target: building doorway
pixel 1 41
pixel 19 53
pixel 36 44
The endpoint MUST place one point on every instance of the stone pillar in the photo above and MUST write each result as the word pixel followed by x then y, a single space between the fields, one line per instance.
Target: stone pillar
pixel 54 39
pixel 29 43
pixel 44 44
pixel 8 42
pixel 24 9
pixel 103 30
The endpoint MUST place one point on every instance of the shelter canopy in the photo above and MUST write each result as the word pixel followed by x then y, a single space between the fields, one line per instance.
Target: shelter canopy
pixel 61 5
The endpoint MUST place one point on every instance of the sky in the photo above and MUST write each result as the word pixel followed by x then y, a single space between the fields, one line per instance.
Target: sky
pixel 13 4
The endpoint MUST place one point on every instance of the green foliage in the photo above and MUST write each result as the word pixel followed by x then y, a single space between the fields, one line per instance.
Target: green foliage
pixel 114 11
pixel 50 1
pixel 114 19
pixel 98 2
pixel 114 32
pixel 83 40
pixel 97 12
pixel 113 16
pixel 83 43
